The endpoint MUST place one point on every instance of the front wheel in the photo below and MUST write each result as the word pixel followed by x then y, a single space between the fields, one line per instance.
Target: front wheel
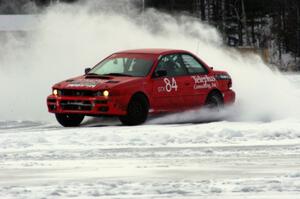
pixel 69 120
pixel 137 111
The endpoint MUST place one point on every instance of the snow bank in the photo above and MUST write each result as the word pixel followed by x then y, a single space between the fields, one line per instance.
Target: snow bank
pixel 181 135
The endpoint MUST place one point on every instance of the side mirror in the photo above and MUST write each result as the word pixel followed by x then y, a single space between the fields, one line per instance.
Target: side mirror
pixel 87 70
pixel 160 73
pixel 211 67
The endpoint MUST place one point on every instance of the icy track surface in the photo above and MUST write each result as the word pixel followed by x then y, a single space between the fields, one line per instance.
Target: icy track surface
pixel 210 160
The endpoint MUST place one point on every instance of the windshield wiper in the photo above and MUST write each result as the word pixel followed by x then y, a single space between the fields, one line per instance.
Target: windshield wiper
pixel 118 74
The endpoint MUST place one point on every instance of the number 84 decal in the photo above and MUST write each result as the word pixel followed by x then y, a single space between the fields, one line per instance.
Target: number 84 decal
pixel 170 84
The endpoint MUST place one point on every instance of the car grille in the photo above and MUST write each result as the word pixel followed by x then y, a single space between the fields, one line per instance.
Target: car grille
pixel 76 105
pixel 85 93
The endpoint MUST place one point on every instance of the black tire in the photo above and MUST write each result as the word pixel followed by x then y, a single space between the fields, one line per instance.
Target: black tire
pixel 214 101
pixel 69 120
pixel 137 111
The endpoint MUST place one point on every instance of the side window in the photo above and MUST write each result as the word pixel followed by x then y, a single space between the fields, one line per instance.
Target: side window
pixel 192 65
pixel 139 67
pixel 172 64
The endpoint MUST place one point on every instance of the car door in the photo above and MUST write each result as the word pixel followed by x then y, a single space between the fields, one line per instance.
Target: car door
pixel 202 82
pixel 170 80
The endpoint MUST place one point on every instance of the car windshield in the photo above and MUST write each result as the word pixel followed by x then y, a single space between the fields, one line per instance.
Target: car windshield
pixel 136 65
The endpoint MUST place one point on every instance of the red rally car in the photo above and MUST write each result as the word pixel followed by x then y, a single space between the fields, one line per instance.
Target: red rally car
pixel 135 83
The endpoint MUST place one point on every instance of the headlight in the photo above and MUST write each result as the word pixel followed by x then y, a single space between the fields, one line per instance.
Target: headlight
pixel 98 93
pixel 105 93
pixel 55 92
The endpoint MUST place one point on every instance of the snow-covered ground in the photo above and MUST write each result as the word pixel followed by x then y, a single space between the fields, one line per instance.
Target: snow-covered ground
pixel 223 159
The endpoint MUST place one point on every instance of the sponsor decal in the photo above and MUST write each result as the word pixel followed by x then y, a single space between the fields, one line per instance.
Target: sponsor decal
pixel 86 83
pixel 204 82
pixel 170 84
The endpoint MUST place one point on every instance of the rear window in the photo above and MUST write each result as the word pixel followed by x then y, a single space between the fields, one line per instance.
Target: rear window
pixel 192 65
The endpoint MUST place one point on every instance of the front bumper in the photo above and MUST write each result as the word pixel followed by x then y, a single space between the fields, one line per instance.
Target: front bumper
pixel 86 105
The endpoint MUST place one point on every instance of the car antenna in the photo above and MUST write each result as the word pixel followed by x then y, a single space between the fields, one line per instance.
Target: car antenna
pixel 198 44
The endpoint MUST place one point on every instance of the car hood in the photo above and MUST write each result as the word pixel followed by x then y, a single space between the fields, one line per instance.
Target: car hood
pixel 94 82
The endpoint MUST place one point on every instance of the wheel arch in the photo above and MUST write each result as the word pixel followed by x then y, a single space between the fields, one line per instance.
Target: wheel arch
pixel 140 94
pixel 143 109
pixel 214 92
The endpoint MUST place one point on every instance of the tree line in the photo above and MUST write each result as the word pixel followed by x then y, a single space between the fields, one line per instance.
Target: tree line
pixel 261 24
pixel 272 24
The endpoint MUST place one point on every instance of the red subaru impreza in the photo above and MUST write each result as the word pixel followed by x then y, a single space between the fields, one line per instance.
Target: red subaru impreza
pixel 135 83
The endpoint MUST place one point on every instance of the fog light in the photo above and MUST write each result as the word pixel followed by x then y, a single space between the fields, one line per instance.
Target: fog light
pixel 105 93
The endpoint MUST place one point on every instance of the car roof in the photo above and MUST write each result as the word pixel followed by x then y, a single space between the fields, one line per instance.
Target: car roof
pixel 157 51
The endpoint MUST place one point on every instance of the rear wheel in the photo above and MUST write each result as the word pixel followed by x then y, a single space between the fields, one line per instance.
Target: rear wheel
pixel 137 111
pixel 214 101
pixel 69 120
